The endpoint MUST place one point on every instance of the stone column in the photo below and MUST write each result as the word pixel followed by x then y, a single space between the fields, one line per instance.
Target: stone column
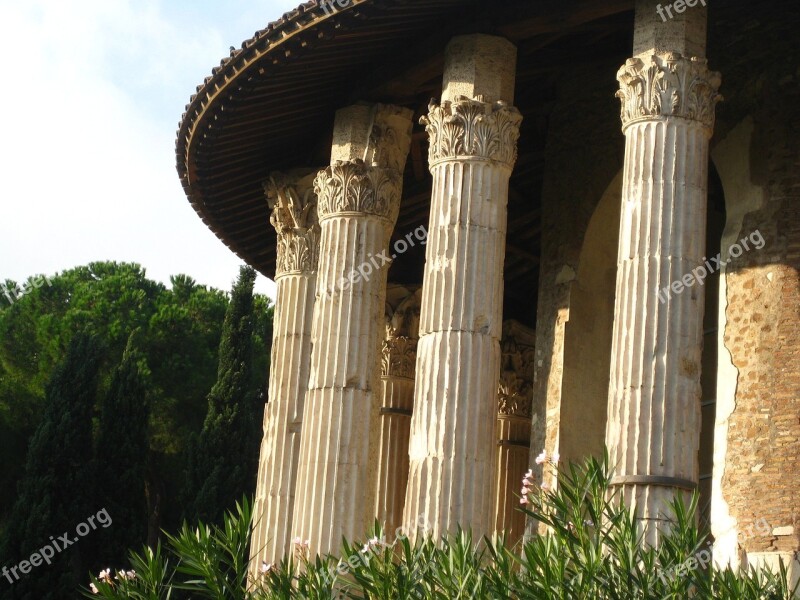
pixel 473 140
pixel 398 365
pixel 514 412
pixel 359 200
pixel 668 102
pixel 294 216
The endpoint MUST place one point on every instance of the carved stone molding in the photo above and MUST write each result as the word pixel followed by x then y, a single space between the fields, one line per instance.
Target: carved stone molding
pixel 293 203
pixel 668 86
pixel 515 390
pixel 355 187
pixel 399 356
pixel 472 129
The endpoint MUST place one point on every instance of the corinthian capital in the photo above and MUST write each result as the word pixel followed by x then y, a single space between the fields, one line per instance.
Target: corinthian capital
pixel 668 86
pixel 293 203
pixel 515 390
pixel 399 355
pixel 472 129
pixel 354 187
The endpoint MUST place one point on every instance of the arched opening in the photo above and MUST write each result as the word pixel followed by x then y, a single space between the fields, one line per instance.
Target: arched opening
pixel 588 334
pixel 587 343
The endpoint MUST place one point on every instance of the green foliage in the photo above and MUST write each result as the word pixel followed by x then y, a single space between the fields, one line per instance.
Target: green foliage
pixel 122 450
pixel 56 492
pixel 223 462
pixel 180 331
pixel 150 578
pixel 592 550
pixel 214 559
pixel 147 399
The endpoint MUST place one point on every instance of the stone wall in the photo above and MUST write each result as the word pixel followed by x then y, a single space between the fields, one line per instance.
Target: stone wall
pixel 757 460
pixel 756 151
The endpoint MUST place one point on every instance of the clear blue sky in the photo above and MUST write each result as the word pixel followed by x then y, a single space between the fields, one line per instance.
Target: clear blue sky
pixel 92 96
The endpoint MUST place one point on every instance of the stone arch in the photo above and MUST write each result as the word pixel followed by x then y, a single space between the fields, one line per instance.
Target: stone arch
pixel 588 335
pixel 587 338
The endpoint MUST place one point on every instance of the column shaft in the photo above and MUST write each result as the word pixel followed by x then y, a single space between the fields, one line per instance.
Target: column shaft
pixel 291 351
pixel 358 206
pixel 395 431
pixel 342 387
pixel 472 151
pixel 294 218
pixel 654 393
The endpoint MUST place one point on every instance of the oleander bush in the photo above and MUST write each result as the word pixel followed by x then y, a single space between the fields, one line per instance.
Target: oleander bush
pixel 592 548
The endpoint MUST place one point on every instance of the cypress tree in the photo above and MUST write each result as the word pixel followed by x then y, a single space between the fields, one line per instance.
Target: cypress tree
pixel 55 494
pixel 122 453
pixel 223 460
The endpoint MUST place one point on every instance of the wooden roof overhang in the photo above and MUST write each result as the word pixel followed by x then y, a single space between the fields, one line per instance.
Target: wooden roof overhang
pixel 270 105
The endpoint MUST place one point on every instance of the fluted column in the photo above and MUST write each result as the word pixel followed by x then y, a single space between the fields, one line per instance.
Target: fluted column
pixel 514 412
pixel 399 354
pixel 668 104
pixel 473 135
pixel 294 216
pixel 359 200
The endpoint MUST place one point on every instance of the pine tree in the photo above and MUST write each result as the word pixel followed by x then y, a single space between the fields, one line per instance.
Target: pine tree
pixel 222 462
pixel 56 492
pixel 122 453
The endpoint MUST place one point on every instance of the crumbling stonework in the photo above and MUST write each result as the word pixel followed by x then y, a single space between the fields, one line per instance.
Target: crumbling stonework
pixel 761 423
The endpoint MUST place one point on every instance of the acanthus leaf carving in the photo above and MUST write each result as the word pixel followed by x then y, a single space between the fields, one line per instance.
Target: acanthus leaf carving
pixel 293 203
pixel 355 187
pixel 515 389
pixel 472 129
pixel 398 357
pixel 668 86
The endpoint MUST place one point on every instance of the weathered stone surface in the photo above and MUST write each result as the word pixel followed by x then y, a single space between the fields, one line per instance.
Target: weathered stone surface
pixel 479 66
pixel 452 448
pixel 359 195
pixel 758 431
pixel 653 428
pixel 659 32
pixel 294 215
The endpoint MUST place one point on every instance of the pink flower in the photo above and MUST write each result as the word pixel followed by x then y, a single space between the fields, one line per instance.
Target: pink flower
pixel 523 500
pixel 105 575
pixel 545 486
pixel 301 544
pixel 373 543
pixel 93 588
pixel 265 568
pixel 542 458
pixel 556 456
